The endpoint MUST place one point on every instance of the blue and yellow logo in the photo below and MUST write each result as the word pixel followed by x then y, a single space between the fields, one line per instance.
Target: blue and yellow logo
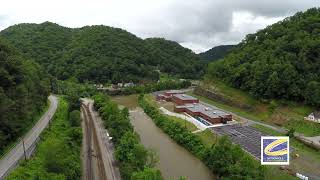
pixel 275 150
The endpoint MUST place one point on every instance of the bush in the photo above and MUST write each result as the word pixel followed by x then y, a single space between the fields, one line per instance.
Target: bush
pixel 147 174
pixel 74 118
pixel 151 87
pixel 132 156
pixel 58 155
pixel 224 158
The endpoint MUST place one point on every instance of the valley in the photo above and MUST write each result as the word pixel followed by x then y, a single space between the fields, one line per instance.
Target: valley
pixel 125 105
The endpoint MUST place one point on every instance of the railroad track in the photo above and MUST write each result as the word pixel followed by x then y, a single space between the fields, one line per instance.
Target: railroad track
pixel 95 167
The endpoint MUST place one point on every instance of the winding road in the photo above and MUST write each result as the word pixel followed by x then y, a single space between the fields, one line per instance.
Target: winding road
pixel 28 142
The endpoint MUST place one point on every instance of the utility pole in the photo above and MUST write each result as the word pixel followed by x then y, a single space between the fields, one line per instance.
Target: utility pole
pixel 185 123
pixel 24 150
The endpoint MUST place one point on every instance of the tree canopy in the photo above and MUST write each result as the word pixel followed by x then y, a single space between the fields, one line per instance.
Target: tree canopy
pixel 102 53
pixel 216 53
pixel 280 61
pixel 24 88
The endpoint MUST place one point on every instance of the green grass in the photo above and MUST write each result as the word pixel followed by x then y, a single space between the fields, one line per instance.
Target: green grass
pixel 58 153
pixel 277 112
pixel 299 146
pixel 274 173
pixel 306 127
pixel 308 155
pixel 191 127
pixel 267 130
pixel 166 77
pixel 238 111
pixel 207 137
pixel 26 130
pixel 150 98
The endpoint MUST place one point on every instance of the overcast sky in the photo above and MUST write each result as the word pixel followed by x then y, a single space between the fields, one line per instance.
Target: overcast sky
pixel 196 24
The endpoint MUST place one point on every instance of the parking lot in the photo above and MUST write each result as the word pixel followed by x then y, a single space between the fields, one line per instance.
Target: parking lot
pixel 247 137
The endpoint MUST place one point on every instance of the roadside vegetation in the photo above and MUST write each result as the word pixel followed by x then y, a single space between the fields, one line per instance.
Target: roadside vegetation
pixel 152 87
pixel 280 61
pixel 226 160
pixel 135 162
pixel 277 112
pixel 58 153
pixel 37 117
pixel 24 89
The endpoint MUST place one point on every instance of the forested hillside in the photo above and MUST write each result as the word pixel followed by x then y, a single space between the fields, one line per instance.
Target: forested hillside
pixel 216 53
pixel 280 61
pixel 172 58
pixel 24 88
pixel 102 53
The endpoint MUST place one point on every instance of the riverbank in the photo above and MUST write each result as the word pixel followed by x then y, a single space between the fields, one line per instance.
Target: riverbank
pixel 308 161
pixel 135 161
pixel 174 160
pixel 282 113
pixel 222 158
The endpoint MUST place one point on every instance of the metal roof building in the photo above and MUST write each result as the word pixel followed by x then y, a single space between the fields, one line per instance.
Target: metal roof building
pixel 208 113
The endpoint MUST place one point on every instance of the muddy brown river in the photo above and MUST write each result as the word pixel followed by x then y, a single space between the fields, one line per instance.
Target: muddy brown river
pixel 174 160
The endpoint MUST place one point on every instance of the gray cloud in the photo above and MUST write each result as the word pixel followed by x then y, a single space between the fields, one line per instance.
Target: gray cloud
pixel 197 24
pixel 202 25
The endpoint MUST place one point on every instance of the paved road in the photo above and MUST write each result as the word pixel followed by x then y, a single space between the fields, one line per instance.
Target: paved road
pixel 314 140
pixel 12 158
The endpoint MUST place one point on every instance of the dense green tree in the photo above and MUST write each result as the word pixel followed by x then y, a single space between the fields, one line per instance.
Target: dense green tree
pixel 280 61
pixel 24 88
pixel 135 161
pixel 216 53
pixel 102 54
pixel 74 118
pixel 225 159
pixel 147 174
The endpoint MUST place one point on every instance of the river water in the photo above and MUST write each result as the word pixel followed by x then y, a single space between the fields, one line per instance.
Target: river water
pixel 174 160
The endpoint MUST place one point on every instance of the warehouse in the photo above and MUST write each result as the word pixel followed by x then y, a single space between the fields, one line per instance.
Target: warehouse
pixel 214 116
pixel 181 99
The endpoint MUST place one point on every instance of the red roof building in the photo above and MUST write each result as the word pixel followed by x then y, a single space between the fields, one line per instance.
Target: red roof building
pixel 213 116
pixel 181 99
pixel 166 96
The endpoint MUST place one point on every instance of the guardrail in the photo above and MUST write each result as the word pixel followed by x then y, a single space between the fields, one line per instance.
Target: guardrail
pixel 27 153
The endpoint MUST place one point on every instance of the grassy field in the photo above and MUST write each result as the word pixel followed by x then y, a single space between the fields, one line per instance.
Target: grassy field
pixel 267 130
pixel 278 112
pixel 209 139
pixel 308 160
pixel 184 123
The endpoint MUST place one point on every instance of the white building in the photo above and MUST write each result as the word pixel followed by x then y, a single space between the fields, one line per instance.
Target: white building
pixel 315 117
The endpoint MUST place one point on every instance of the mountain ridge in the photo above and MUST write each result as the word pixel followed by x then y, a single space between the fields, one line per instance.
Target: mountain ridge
pixel 101 53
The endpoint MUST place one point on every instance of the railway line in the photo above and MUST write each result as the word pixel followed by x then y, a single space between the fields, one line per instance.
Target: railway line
pixel 95 169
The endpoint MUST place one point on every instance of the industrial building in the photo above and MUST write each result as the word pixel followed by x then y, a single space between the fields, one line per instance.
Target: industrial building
pixel 166 96
pixel 181 99
pixel 190 105
pixel 214 116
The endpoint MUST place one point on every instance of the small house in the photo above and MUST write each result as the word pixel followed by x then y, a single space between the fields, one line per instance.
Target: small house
pixel 315 117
